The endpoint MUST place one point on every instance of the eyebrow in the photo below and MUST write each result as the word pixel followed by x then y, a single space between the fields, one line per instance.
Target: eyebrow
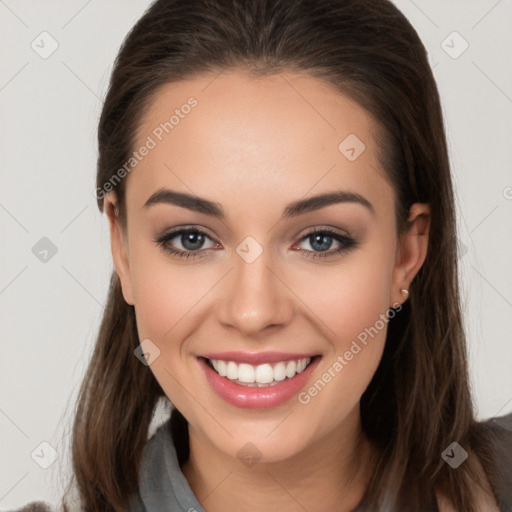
pixel 300 207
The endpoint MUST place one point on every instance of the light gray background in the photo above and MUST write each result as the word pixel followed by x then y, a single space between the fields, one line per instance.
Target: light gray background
pixel 50 312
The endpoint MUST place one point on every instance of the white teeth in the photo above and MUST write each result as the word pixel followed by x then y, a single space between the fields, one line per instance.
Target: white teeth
pixel 291 368
pixel 232 370
pixel 222 368
pixel 246 373
pixel 261 375
pixel 279 371
pixel 264 374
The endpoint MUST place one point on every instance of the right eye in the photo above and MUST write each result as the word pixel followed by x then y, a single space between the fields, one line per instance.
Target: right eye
pixel 190 239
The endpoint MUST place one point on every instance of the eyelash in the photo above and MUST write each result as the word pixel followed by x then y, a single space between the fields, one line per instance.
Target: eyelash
pixel 347 243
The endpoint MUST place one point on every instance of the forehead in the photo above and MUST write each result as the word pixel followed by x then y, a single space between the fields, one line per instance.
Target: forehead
pixel 286 135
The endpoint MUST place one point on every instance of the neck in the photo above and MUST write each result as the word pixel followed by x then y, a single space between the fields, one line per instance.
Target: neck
pixel 330 474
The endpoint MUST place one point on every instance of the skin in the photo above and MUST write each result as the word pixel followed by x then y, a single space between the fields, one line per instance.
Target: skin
pixel 254 146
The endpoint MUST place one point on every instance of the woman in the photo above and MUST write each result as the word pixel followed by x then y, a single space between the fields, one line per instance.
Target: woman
pixel 277 185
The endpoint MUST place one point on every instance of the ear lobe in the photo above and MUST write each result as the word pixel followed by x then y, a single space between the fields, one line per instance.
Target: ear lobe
pixel 119 247
pixel 413 247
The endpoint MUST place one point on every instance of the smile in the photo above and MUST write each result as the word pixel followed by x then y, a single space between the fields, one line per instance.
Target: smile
pixel 262 375
pixel 255 381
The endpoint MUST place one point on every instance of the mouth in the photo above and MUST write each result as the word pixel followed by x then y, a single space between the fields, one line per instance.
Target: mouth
pixel 258 380
pixel 261 375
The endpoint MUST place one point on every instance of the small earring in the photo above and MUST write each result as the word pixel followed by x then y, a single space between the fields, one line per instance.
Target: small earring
pixel 403 290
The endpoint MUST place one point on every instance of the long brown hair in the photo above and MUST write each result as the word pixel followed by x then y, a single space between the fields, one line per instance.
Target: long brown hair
pixel 418 402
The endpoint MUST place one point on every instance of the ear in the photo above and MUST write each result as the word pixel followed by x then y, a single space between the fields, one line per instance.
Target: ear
pixel 119 246
pixel 412 250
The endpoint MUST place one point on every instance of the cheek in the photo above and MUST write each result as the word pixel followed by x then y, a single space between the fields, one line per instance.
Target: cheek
pixel 357 314
pixel 361 301
pixel 351 307
pixel 347 299
pixel 163 294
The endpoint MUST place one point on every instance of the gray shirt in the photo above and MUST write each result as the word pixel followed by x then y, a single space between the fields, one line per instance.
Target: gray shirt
pixel 164 488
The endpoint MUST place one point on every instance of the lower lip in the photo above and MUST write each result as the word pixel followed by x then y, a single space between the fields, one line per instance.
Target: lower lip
pixel 253 397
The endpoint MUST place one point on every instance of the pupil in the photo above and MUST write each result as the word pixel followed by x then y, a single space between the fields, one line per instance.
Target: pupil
pixel 323 240
pixel 192 241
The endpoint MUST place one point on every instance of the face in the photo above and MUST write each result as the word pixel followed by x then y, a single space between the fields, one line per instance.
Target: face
pixel 231 265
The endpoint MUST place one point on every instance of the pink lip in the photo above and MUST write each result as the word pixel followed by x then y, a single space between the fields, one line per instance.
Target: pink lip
pixel 256 358
pixel 253 397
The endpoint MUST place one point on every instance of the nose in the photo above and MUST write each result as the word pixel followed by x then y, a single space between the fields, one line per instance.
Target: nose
pixel 254 298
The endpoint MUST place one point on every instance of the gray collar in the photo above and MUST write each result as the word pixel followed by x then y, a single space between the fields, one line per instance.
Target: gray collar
pixel 163 486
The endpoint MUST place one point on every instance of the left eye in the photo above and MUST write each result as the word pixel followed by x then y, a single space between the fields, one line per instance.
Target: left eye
pixel 321 241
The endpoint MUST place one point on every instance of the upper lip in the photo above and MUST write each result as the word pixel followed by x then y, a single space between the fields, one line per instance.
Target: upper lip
pixel 256 357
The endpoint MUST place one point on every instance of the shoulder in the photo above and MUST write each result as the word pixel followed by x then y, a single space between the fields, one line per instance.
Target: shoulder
pixel 35 506
pixel 499 432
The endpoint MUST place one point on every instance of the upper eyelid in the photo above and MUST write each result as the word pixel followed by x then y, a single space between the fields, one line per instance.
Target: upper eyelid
pixel 185 229
pixel 173 233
